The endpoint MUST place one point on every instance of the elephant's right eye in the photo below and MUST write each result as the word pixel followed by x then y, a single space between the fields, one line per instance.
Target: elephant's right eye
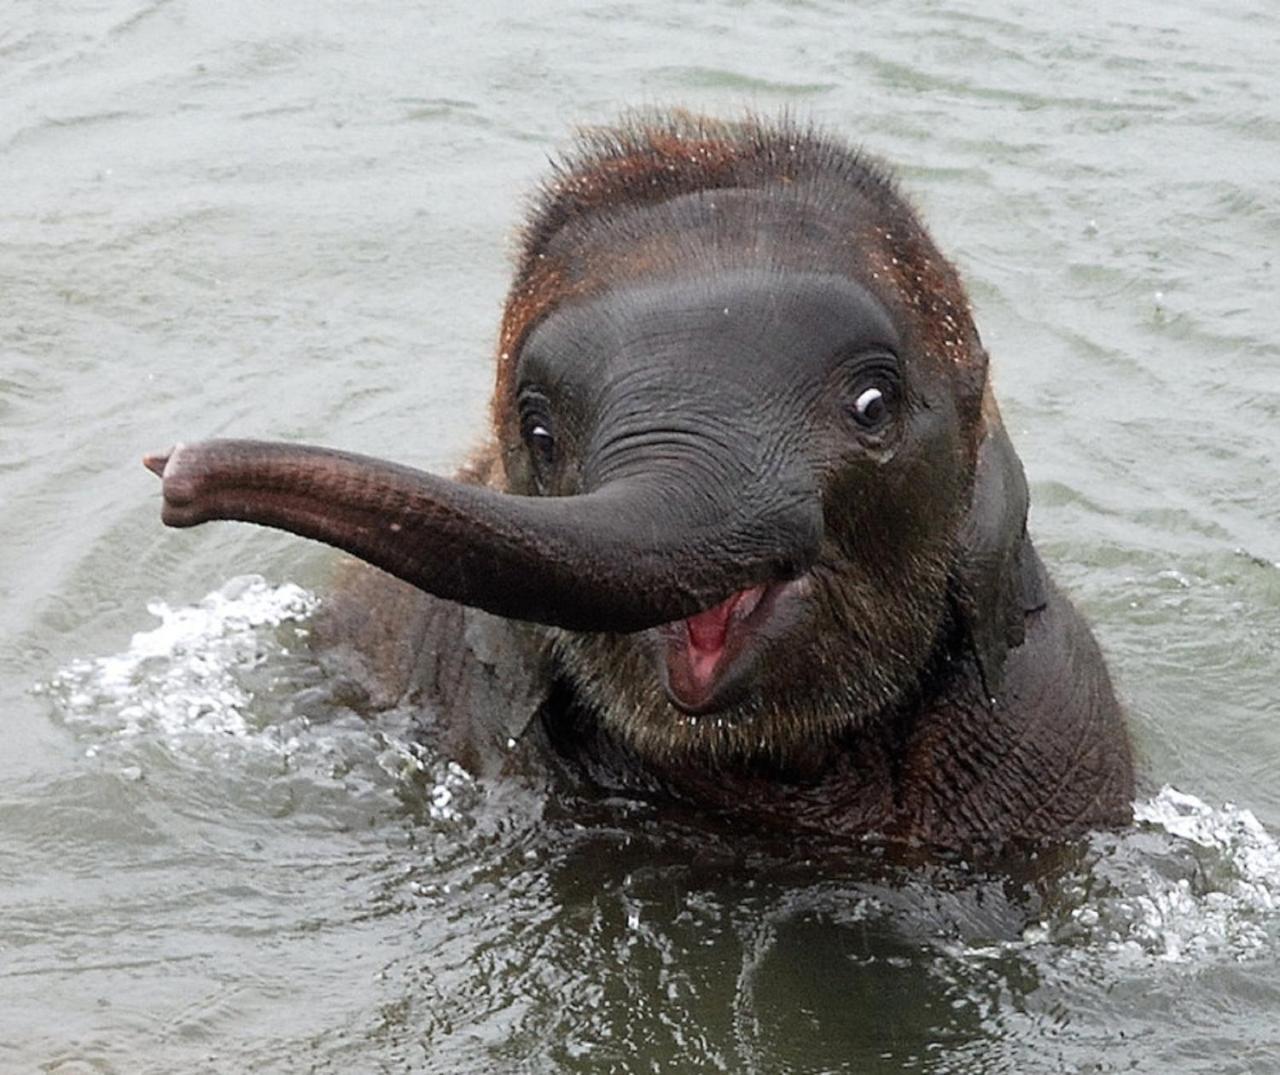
pixel 542 443
pixel 535 427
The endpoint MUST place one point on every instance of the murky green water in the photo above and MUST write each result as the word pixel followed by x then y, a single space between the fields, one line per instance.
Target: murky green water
pixel 291 220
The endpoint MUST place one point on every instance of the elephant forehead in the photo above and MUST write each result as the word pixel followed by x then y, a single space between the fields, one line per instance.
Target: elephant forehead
pixel 762 327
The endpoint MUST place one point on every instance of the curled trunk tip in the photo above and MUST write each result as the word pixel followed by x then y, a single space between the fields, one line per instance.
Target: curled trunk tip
pixel 156 461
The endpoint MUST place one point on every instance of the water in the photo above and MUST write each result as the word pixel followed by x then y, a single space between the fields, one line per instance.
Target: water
pixel 292 220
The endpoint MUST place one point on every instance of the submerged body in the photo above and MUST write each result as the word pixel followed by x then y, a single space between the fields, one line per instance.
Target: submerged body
pixel 749 533
pixel 949 768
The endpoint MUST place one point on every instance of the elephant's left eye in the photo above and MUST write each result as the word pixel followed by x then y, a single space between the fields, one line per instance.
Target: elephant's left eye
pixel 872 405
pixel 871 393
pixel 870 408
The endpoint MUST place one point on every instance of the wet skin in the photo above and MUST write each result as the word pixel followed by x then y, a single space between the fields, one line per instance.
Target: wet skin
pixel 802 388
pixel 749 533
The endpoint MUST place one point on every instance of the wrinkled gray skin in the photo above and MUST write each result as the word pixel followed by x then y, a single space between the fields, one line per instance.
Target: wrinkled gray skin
pixel 723 400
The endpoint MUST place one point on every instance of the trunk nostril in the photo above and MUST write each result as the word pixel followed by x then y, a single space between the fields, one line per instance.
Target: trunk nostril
pixel 155 462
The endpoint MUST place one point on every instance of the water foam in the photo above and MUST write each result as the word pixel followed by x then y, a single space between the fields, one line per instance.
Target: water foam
pixel 184 676
pixel 197 681
pixel 1188 883
pixel 1227 906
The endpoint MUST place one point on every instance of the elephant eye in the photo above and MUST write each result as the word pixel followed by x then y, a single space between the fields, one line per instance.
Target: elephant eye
pixel 871 390
pixel 542 443
pixel 871 409
pixel 536 430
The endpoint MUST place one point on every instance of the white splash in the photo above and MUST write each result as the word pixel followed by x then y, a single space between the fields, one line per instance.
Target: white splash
pixel 1230 905
pixel 1190 883
pixel 181 677
pixel 452 781
pixel 190 684
pixel 450 791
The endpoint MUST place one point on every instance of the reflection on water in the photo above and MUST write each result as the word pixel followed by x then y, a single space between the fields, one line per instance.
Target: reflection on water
pixel 593 934
pixel 289 221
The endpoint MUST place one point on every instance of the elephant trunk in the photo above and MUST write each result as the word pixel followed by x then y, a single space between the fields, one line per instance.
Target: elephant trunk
pixel 631 554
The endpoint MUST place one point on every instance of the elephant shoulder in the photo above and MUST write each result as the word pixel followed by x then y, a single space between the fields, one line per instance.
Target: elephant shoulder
pixel 475 681
pixel 1047 757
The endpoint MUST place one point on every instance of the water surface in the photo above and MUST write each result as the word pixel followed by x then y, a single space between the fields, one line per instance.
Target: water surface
pixel 293 220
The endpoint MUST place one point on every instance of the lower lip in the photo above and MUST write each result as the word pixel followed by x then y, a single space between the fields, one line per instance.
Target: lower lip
pixel 699 681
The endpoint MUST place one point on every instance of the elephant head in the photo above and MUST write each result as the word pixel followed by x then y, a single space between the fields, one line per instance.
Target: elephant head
pixel 746 469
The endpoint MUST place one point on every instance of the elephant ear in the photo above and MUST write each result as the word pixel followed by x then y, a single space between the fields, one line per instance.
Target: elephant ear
pixel 999 576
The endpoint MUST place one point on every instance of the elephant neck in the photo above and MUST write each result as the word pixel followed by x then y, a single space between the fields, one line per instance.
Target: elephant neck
pixel 849 788
pixel 859 786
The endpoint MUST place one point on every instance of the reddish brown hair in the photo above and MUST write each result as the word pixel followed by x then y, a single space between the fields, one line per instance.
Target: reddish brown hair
pixel 569 244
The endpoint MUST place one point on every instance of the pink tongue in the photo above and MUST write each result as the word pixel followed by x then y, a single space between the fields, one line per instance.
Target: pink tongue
pixel 708 630
pixel 697 658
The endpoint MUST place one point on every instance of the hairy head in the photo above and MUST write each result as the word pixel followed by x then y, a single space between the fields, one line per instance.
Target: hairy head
pixel 745 471
pixel 755 308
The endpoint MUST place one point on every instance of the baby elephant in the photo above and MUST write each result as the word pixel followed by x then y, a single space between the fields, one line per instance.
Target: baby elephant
pixel 749 533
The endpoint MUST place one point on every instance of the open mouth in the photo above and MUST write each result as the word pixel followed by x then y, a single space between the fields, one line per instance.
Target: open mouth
pixel 705 661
